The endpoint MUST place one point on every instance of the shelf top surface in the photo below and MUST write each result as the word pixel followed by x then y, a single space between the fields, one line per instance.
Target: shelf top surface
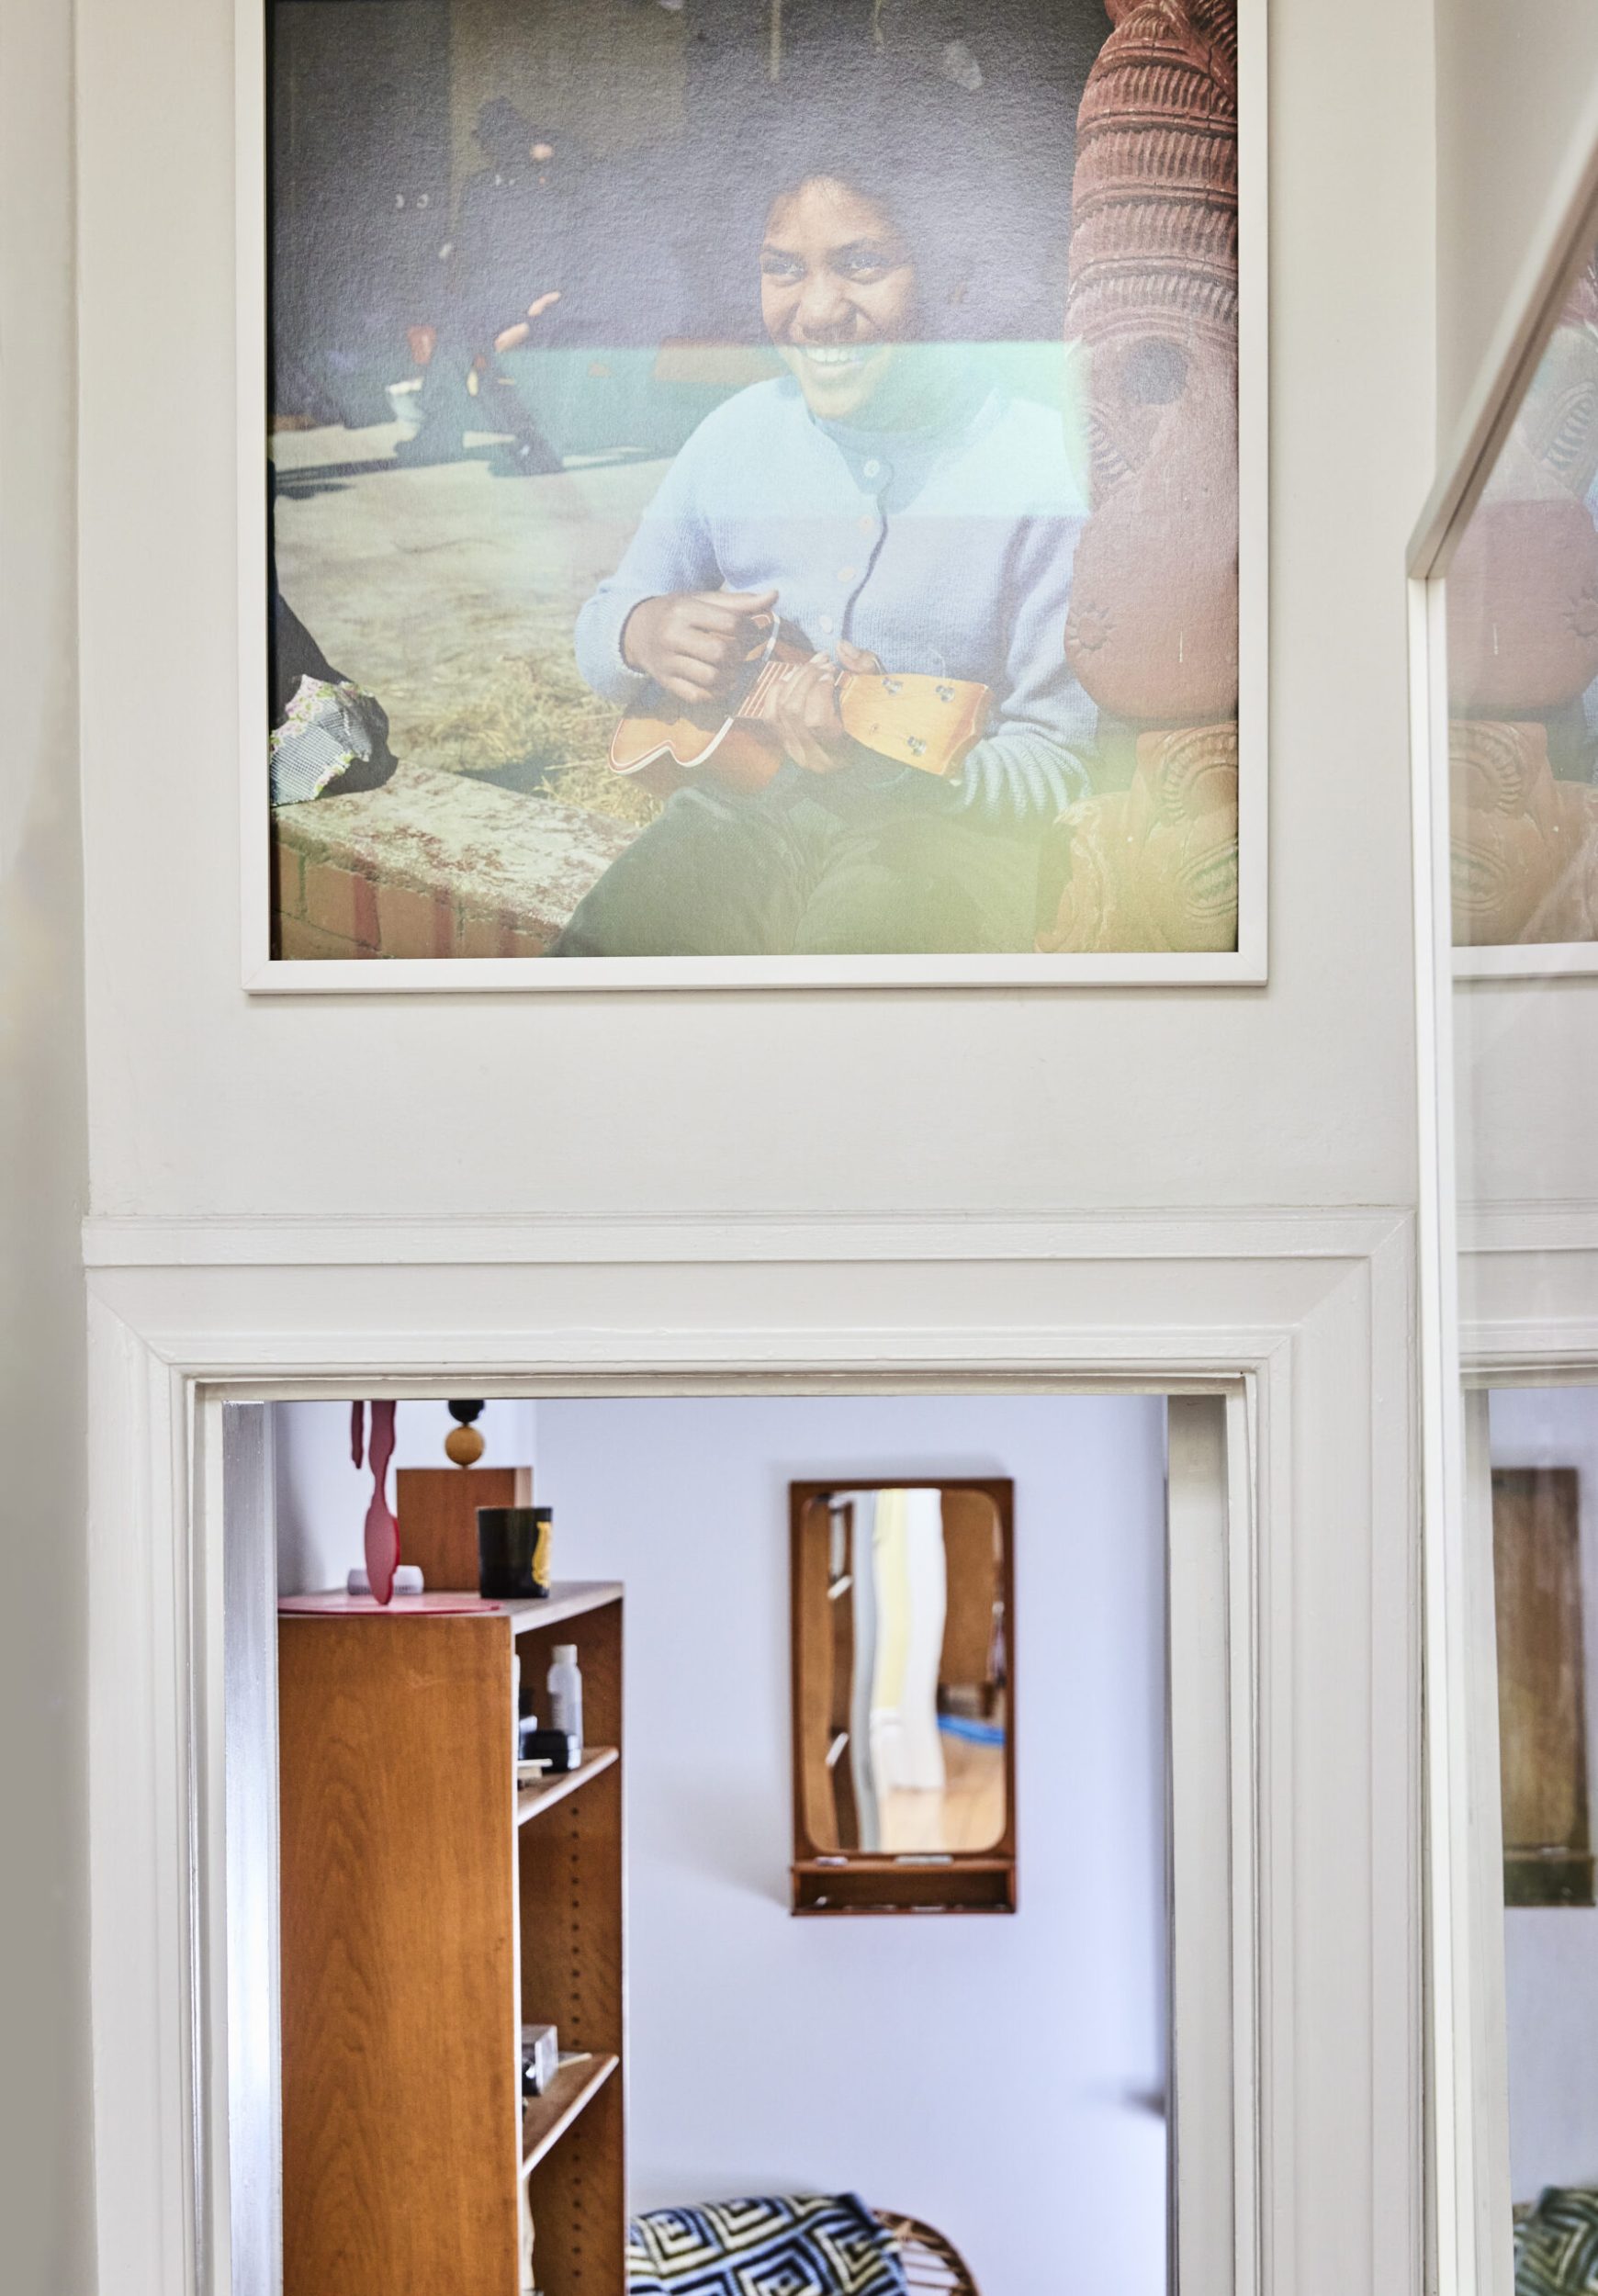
pixel 556 1785
pixel 546 2118
pixel 568 1598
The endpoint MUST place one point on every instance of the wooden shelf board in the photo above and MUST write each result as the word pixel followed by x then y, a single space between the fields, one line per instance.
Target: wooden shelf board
pixel 569 1598
pixel 557 1784
pixel 865 1862
pixel 862 1912
pixel 545 2119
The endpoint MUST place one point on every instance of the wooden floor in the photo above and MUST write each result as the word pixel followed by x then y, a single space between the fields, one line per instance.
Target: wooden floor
pixel 966 1813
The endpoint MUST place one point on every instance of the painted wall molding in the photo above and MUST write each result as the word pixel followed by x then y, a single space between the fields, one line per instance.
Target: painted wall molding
pixel 463 1240
pixel 1570 1225
pixel 1529 1279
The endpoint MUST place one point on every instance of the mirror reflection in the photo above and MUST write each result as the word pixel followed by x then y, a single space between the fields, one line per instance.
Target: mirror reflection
pixel 1536 1451
pixel 1522 662
pixel 903 1688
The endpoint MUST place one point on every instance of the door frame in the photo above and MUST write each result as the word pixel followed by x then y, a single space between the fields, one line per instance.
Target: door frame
pixel 1302 1322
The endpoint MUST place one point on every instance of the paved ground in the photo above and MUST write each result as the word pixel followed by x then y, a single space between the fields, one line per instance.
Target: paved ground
pixel 451 594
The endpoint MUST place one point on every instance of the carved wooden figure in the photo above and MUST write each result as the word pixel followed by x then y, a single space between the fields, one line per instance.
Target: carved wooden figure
pixel 1152 632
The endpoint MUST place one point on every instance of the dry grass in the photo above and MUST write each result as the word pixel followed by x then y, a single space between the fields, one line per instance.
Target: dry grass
pixel 530 724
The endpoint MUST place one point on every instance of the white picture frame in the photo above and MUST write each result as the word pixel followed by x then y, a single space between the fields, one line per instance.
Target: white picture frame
pixel 1245 966
pixel 1531 959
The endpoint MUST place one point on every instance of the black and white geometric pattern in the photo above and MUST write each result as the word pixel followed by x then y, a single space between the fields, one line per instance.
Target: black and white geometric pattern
pixel 1556 2247
pixel 807 2246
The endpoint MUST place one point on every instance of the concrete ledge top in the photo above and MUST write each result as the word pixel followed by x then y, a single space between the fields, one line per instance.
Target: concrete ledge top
pixel 490 851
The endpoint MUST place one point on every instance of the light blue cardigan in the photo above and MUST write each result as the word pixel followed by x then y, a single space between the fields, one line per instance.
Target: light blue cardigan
pixel 947 550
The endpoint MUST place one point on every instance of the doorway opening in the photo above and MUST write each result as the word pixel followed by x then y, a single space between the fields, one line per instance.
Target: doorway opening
pixel 1533 1457
pixel 983 2101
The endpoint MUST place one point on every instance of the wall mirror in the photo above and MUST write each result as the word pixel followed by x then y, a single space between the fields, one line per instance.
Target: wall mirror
pixel 903 1696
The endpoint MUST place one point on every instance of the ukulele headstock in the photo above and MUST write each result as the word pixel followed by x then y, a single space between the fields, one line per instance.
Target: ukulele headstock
pixel 926 722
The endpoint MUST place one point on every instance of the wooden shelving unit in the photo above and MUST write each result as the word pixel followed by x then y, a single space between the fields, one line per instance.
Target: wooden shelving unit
pixel 430 1909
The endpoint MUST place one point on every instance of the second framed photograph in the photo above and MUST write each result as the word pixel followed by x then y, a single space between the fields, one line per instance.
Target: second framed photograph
pixel 758 492
pixel 1522 671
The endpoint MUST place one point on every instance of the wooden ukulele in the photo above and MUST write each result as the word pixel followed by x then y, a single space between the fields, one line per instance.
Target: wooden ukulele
pixel 925 722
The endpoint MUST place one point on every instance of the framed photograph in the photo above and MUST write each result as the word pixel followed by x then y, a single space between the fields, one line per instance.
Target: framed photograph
pixel 1521 599
pixel 757 493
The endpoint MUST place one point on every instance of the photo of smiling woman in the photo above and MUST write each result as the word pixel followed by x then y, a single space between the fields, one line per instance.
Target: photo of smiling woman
pixel 866 584
pixel 887 506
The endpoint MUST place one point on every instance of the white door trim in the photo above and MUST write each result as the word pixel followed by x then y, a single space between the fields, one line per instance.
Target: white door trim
pixel 1311 1335
pixel 1213 2123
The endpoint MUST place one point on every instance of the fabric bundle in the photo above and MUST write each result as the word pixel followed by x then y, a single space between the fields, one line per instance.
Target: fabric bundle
pixel 1556 2245
pixel 808 2245
pixel 333 736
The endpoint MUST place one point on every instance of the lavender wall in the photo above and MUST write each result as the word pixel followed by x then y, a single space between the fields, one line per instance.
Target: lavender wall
pixel 999 2077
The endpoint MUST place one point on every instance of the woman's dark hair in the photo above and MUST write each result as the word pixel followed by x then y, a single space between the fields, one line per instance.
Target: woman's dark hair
pixel 982 202
pixel 891 153
pixel 964 193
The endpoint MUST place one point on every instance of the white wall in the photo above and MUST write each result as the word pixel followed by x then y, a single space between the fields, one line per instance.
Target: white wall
pixel 206 1105
pixel 321 1495
pixel 993 2075
pixel 45 2193
pixel 1552 1952
pixel 1525 1057
pixel 206 1102
pixel 1514 83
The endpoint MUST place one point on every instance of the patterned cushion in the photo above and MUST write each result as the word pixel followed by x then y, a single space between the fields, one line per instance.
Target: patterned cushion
pixel 807 2246
pixel 1556 2247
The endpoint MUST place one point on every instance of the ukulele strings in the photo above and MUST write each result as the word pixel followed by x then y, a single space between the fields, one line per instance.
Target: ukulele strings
pixel 772 675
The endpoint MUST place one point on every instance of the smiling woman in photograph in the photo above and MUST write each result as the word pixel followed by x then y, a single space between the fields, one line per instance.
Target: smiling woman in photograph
pixel 885 506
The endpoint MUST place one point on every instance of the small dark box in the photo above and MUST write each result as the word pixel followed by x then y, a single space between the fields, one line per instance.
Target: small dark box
pixel 558 1748
pixel 513 1553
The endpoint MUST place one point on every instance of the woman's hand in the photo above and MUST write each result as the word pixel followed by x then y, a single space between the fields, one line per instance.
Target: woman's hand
pixel 805 711
pixel 692 643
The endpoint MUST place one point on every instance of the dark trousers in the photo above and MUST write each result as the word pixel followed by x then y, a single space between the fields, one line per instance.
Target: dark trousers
pixel 785 875
pixel 448 409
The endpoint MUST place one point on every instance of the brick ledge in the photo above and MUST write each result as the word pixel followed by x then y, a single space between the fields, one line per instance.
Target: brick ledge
pixel 433 865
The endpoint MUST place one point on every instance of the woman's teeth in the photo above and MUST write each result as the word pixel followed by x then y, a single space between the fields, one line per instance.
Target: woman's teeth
pixel 835 353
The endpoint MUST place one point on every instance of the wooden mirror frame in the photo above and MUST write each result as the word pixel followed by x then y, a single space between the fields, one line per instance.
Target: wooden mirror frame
pixel 828 1881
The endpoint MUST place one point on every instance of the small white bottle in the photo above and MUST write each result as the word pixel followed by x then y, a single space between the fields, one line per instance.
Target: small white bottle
pixel 566 1691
